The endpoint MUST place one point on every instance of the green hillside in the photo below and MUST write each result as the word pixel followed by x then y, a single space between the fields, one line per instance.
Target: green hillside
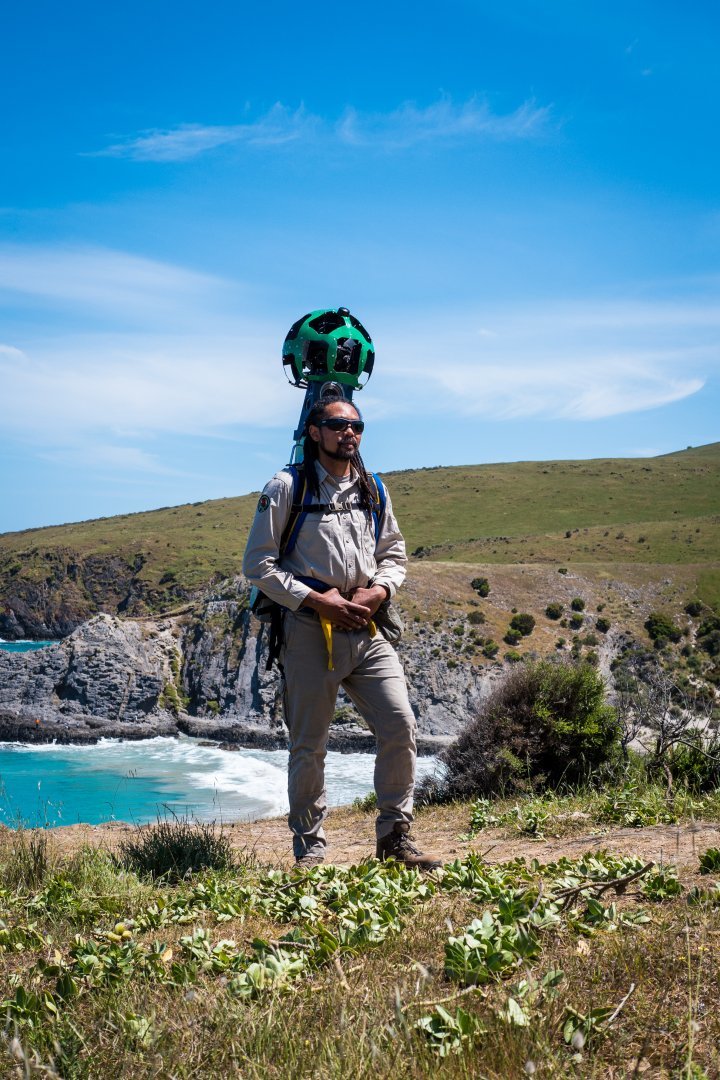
pixel 662 510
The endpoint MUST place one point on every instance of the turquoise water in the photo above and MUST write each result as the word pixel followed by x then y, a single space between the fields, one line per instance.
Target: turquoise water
pixel 138 781
pixel 23 646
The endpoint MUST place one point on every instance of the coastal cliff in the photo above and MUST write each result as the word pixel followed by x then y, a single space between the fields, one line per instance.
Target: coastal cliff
pixel 201 672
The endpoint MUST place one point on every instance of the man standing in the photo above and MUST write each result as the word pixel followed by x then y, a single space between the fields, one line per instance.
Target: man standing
pixel 339 574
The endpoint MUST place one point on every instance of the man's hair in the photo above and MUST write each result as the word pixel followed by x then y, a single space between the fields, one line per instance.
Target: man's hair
pixel 310 452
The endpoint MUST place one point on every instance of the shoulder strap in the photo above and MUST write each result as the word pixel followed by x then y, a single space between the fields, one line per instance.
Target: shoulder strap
pixel 380 503
pixel 301 499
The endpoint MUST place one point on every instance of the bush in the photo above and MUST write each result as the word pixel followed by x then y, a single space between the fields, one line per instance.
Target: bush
pixel 523 622
pixel 513 657
pixel 490 649
pixel 476 618
pixel 577 604
pixel 545 722
pixel 661 627
pixel 481 585
pixel 512 637
pixel 693 608
pixel 708 635
pixel 576 621
pixel 175 849
pixel 603 625
pixel 554 611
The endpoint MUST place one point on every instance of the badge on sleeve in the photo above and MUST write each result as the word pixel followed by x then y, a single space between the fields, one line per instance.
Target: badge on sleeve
pixel 263 503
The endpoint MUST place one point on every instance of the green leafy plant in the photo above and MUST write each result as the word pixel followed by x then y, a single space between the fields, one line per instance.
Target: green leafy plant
pixel 661 884
pixel 449 1033
pixel 577 603
pixel 710 861
pixel 554 610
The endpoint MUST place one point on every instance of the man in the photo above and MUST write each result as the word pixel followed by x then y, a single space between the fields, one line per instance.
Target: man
pixel 337 573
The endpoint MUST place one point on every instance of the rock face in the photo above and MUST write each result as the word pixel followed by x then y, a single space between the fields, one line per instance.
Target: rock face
pixel 48 594
pixel 108 678
pixel 204 674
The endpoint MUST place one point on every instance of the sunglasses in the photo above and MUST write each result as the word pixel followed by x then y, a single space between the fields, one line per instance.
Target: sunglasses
pixel 339 423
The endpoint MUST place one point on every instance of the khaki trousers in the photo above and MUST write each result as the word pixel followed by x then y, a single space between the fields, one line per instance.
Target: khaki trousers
pixel 371 675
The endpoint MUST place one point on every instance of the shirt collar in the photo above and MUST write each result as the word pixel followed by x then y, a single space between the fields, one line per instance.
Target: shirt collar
pixel 323 475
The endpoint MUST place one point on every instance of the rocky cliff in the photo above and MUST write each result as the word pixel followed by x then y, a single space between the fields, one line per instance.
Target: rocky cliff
pixel 203 673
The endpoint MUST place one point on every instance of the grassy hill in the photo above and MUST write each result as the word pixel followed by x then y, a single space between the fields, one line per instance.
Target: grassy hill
pixel 660 511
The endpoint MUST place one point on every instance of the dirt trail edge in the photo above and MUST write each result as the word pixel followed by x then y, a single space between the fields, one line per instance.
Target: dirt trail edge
pixel 351 839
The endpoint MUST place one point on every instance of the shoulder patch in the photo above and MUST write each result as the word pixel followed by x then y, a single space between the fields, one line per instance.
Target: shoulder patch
pixel 263 503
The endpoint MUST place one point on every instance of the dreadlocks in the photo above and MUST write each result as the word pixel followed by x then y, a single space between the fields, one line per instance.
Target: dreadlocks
pixel 310 454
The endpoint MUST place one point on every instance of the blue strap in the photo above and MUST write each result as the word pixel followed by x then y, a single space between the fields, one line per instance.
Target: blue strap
pixel 378 515
pixel 301 496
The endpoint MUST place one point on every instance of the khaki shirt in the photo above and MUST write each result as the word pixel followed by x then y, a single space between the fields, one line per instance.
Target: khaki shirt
pixel 337 548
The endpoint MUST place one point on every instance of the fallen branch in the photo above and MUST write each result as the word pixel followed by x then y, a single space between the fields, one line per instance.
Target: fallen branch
pixel 600 887
pixel 621 1006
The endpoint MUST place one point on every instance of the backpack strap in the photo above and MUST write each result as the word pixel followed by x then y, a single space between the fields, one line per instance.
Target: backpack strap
pixel 380 504
pixel 301 500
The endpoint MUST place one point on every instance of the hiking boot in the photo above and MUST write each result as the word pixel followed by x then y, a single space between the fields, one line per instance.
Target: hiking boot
pixel 398 845
pixel 307 861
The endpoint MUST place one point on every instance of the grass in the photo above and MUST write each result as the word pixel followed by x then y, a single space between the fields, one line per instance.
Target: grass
pixel 363 972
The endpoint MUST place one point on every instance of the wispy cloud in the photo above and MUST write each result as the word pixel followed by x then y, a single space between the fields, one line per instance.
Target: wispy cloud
pixel 101 280
pixel 113 396
pixel 402 128
pixel 571 362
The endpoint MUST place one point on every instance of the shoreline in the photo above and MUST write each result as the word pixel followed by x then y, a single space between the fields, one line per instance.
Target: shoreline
pixel 231 738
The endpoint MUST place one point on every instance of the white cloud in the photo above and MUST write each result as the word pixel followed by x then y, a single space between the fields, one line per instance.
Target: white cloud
pixel 404 127
pixel 278 126
pixel 97 279
pixel 113 396
pixel 572 362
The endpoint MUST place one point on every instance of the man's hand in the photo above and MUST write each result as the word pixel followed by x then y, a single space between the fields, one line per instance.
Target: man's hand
pixel 370 598
pixel 347 614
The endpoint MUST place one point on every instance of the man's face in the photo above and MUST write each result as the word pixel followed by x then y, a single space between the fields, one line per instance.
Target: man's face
pixel 339 445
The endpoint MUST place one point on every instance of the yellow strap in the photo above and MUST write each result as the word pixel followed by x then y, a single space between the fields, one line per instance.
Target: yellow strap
pixel 327 631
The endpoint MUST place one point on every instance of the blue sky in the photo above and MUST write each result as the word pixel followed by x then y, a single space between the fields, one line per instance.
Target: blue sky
pixel 521 206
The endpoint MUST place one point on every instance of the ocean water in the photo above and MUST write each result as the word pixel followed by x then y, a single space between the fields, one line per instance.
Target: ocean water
pixel 139 781
pixel 23 646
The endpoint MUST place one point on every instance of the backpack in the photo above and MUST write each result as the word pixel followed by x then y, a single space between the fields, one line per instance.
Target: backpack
pixel 267 610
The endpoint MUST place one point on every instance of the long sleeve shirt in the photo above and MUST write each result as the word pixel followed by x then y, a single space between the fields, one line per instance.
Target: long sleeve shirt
pixel 337 548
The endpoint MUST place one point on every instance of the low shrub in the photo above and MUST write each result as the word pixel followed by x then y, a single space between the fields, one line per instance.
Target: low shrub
pixel 513 657
pixel 660 627
pixel 602 625
pixel 554 611
pixel 174 849
pixel 490 649
pixel 481 585
pixel 523 622
pixel 545 722
pixel 476 618
pixel 576 621
pixel 577 603
pixel 693 608
pixel 512 637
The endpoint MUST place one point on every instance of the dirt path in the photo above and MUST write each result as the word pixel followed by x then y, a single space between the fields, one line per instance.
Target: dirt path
pixel 351 838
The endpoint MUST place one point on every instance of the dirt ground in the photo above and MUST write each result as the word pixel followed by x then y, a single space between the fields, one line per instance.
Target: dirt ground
pixel 351 838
